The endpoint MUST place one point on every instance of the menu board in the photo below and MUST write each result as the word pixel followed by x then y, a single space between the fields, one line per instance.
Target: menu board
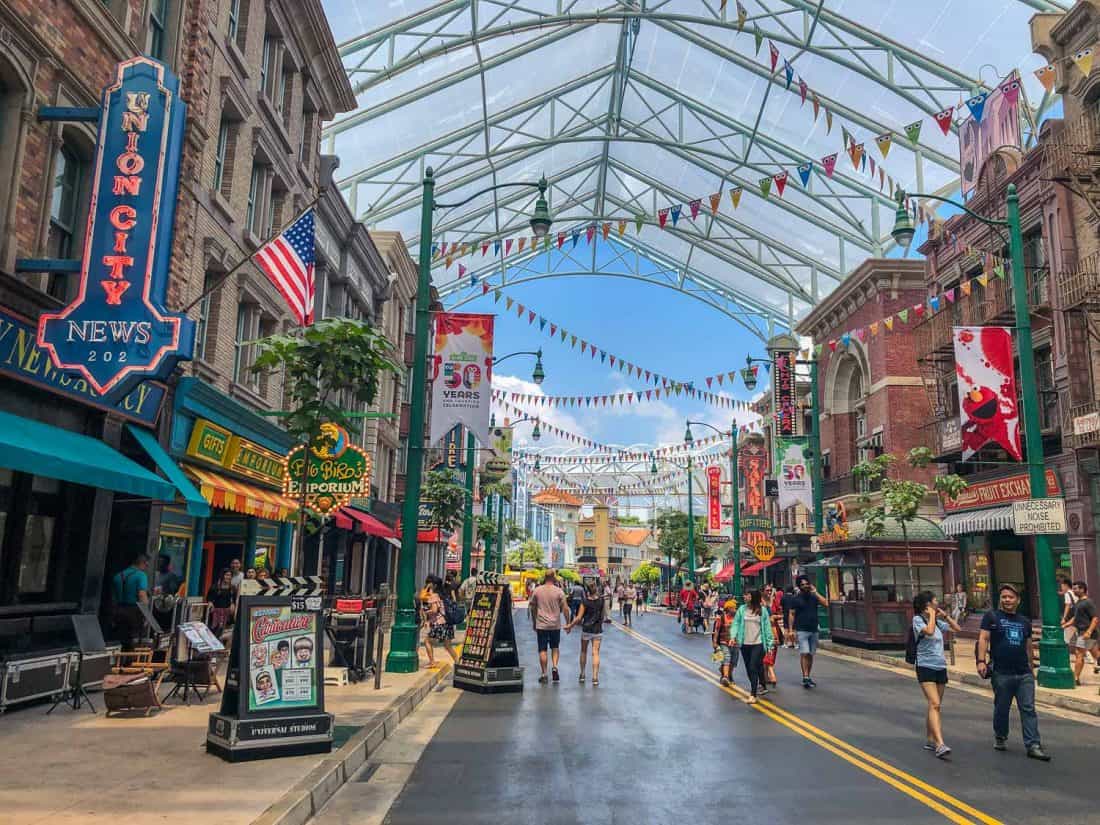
pixel 283 670
pixel 481 623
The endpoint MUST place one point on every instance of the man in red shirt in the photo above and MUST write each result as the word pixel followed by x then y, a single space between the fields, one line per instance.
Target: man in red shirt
pixel 689 598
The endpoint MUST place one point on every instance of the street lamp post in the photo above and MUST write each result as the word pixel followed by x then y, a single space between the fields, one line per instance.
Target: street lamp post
pixel 403 656
pixel 1054 670
pixel 691 510
pixel 735 504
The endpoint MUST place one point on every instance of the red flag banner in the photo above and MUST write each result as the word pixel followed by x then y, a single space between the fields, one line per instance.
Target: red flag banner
pixel 988 408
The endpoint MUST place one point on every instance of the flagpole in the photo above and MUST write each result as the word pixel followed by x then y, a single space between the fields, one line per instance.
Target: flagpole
pixel 221 281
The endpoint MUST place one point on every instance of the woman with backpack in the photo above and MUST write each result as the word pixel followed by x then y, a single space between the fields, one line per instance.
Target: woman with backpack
pixel 435 614
pixel 924 648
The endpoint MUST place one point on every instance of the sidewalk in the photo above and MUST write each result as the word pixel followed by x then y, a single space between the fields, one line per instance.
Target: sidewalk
pixel 1082 699
pixel 73 768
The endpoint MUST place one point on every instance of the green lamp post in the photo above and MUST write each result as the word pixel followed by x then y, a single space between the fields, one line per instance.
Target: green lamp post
pixel 735 503
pixel 403 656
pixel 691 509
pixel 1054 670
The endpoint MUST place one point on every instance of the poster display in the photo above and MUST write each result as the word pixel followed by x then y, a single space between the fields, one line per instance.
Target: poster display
pixel 282 659
pixel 793 471
pixel 489 662
pixel 988 409
pixel 714 499
pixel 783 392
pixel 462 370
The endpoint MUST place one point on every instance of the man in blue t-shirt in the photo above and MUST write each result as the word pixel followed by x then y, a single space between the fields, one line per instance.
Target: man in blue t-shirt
pixel 1006 635
pixel 130 588
pixel 802 614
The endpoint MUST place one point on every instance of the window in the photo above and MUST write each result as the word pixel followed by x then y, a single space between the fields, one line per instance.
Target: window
pixel 306 144
pixel 258 192
pixel 234 18
pixel 220 158
pixel 158 22
pixel 203 337
pixel 1048 395
pixel 272 79
pixel 248 330
pixel 402 457
pixel 63 240
pixel 275 212
pixel 410 318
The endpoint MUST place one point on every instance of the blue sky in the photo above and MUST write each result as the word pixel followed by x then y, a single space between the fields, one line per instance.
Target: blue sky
pixel 654 327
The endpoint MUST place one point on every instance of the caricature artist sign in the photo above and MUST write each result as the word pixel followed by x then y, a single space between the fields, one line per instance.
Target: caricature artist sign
pixel 116 332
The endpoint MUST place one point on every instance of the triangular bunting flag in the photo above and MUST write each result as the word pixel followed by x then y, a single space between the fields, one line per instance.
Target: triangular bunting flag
pixel 828 121
pixel 484 287
pixel 450 260
pixel 530 316
pixel 976 105
pixel 888 323
pixel 508 302
pixel 1083 59
pixel 522 243
pixel 903 314
pixel 944 119
pixel 553 330
pixel 507 246
pixel 561 239
pixel 817 106
pixel 715 199
pixel 912 131
pixel 695 206
pixel 788 71
pixel 774 54
pixel 622 228
pixel 742 16
pixel 873 326
pixel 735 196
pixel 883 141
pixel 576 236
pixel 780 182
pixel 605 230
pixel 829 162
pixel 1047 76
pixel 676 213
pixel 638 221
pixel 965 288
pixel 542 324
pixel 855 152
pixel 589 233
pixel 765 186
pixel 662 217
pixel 802 89
pixel 950 295
pixel 804 172
pixel 758 36
pixel 1011 91
pixel 461 271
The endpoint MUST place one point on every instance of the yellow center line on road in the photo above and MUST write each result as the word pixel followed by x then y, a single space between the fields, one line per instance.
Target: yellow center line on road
pixel 895 777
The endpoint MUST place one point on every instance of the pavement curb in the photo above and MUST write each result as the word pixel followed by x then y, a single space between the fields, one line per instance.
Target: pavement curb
pixel 1043 696
pixel 302 802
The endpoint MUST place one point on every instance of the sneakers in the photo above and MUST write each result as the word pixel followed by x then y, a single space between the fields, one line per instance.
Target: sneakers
pixel 557 678
pixel 581 679
pixel 929 746
pixel 807 682
pixel 751 700
pixel 762 690
pixel 999 744
pixel 725 682
pixel 1037 752
pixel 942 752
pixel 543 680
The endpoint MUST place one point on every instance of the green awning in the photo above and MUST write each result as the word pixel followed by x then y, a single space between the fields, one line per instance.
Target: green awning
pixel 197 506
pixel 33 447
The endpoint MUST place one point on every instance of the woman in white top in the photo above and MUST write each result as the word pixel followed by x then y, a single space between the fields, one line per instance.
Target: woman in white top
pixel 752 632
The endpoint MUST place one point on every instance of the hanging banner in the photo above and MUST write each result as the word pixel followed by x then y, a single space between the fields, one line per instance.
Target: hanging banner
pixel 753 461
pixel 987 390
pixel 793 472
pixel 333 472
pixel 462 370
pixel 498 466
pixel 783 400
pixel 997 126
pixel 116 332
pixel 714 499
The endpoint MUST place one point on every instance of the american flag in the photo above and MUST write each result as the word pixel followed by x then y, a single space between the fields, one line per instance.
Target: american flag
pixel 287 260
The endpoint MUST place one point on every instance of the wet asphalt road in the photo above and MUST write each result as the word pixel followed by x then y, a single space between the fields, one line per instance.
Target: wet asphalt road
pixel 659 742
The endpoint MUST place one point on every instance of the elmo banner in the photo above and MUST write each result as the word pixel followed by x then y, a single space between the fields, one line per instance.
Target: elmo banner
pixel 988 410
pixel 462 370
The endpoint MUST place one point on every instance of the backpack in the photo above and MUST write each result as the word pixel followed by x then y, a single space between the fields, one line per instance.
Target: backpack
pixel 454 613
pixel 911 646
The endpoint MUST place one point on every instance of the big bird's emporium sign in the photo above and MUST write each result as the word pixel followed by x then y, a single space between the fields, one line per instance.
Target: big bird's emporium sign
pixel 116 332
pixel 330 473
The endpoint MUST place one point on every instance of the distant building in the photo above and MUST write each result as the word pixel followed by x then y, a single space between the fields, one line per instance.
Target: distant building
pixel 564 509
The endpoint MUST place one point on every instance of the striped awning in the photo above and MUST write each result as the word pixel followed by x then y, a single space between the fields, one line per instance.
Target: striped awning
pixel 977 521
pixel 240 497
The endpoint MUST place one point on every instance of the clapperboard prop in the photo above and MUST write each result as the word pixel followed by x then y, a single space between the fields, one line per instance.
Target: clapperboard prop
pixel 274 699
pixel 285 586
pixel 489 662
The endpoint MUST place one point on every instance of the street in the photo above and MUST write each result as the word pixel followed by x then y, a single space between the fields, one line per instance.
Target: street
pixel 660 741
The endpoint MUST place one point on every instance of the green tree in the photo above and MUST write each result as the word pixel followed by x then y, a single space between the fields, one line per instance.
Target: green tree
pixel 901 498
pixel 672 533
pixel 647 574
pixel 327 369
pixel 571 576
pixel 486 528
pixel 529 551
pixel 630 521
pixel 447 497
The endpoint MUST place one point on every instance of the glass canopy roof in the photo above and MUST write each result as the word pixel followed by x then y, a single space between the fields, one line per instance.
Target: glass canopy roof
pixel 633 107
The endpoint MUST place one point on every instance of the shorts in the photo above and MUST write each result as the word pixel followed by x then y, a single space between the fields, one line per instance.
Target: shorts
pixel 729 655
pixel 442 632
pixel 591 637
pixel 1083 642
pixel 807 642
pixel 549 639
pixel 932 674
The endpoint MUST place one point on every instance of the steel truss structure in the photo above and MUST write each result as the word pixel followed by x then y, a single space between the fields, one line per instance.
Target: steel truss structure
pixel 631 106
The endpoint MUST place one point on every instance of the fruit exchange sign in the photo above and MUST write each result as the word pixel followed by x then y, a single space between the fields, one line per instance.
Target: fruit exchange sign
pixel 116 332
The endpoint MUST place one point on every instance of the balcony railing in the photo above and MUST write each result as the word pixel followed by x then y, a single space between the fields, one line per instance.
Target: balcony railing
pixel 1082 426
pixel 1079 288
pixel 1075 151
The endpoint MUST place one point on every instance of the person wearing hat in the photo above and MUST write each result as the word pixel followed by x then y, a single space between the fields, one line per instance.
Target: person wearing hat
pixel 1006 636
pixel 720 638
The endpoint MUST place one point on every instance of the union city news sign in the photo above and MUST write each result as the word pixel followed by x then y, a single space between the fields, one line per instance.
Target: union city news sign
pixel 116 332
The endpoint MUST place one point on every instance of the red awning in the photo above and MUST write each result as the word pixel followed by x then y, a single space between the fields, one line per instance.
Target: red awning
pixel 341 521
pixel 726 573
pixel 365 523
pixel 755 568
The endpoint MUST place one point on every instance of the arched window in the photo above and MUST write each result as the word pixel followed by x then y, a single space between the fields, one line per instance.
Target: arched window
pixel 15 96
